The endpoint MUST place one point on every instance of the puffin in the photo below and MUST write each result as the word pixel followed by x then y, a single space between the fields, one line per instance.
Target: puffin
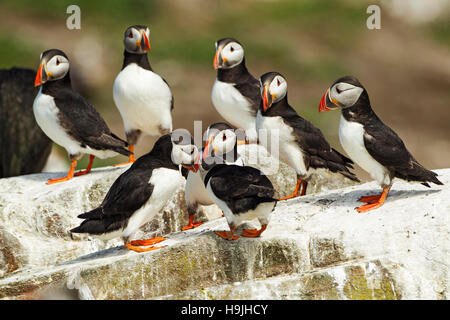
pixel 235 93
pixel 68 119
pixel 221 139
pixel 243 193
pixel 301 144
pixel 139 193
pixel 142 97
pixel 374 146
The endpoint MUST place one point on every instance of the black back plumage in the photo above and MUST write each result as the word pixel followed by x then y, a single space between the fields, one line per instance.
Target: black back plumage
pixel 382 143
pixel 129 192
pixel 317 151
pixel 241 188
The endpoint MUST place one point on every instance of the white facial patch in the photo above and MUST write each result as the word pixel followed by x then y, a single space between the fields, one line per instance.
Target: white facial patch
pixel 278 88
pixel 224 141
pixel 184 154
pixel 233 53
pixel 132 36
pixel 57 67
pixel 347 94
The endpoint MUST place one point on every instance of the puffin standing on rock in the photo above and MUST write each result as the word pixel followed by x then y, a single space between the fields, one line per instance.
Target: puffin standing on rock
pixel 235 93
pixel 243 193
pixel 140 193
pixel 301 144
pixel 370 143
pixel 143 97
pixel 68 119
pixel 226 147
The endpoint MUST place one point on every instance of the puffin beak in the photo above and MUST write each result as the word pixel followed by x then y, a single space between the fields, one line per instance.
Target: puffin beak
pixel 207 147
pixel 145 41
pixel 217 59
pixel 194 167
pixel 41 75
pixel 326 104
pixel 266 102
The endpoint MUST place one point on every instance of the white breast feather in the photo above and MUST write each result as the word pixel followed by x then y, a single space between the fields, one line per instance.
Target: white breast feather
pixel 143 100
pixel 232 106
pixel 351 136
pixel 165 183
pixel 289 151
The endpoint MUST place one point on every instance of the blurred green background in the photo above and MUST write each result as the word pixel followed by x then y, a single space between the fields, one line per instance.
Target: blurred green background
pixel 405 66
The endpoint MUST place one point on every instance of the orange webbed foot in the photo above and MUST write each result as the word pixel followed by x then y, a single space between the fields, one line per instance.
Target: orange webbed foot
pixel 147 242
pixel 253 233
pixel 192 224
pixel 227 235
pixel 369 199
pixel 139 249
pixel 369 206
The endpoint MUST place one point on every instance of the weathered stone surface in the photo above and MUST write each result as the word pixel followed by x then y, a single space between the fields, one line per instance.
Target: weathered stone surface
pixel 316 247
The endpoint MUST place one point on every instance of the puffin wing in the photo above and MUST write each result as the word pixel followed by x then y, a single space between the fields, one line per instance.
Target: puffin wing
pixel 250 89
pixel 85 124
pixel 384 145
pixel 127 194
pixel 312 140
pixel 171 101
pixel 230 182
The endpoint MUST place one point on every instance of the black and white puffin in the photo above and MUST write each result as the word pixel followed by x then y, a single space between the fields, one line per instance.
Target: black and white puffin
pixel 140 193
pixel 68 119
pixel 301 144
pixel 235 93
pixel 243 193
pixel 221 140
pixel 370 143
pixel 143 97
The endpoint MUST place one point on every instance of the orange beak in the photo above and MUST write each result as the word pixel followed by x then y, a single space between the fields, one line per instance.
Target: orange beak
pixel 206 150
pixel 38 80
pixel 146 42
pixel 195 166
pixel 216 60
pixel 323 106
pixel 265 99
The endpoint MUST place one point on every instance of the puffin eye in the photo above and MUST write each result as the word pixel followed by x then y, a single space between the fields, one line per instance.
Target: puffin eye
pixel 278 82
pixel 231 49
pixel 224 137
pixel 337 90
pixel 57 62
pixel 130 35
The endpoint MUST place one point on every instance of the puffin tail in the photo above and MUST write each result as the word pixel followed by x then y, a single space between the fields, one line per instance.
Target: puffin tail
pixel 418 173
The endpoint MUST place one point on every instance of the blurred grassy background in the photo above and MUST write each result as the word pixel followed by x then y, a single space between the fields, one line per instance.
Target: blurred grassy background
pixel 405 66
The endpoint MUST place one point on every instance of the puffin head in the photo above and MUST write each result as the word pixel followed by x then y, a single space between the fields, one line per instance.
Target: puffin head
pixel 184 152
pixel 273 88
pixel 343 93
pixel 137 39
pixel 220 139
pixel 54 65
pixel 229 53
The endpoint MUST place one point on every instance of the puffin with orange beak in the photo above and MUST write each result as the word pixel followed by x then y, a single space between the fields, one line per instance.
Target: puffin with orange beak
pixel 143 97
pixel 301 145
pixel 141 192
pixel 235 93
pixel 68 119
pixel 221 144
pixel 370 143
